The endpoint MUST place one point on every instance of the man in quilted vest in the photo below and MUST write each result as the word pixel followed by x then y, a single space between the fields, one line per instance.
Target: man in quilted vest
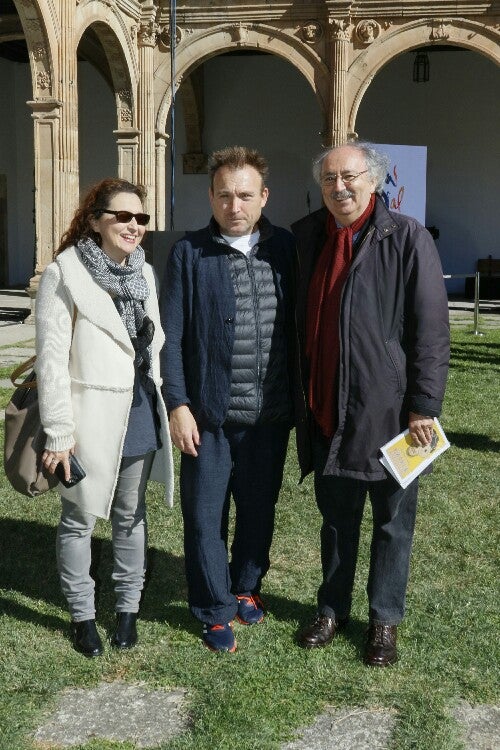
pixel 227 312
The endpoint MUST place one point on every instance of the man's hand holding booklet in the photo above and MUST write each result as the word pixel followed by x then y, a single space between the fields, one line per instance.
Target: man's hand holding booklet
pixel 405 461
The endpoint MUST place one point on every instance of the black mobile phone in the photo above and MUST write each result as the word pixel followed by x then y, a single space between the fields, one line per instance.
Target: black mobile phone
pixel 76 469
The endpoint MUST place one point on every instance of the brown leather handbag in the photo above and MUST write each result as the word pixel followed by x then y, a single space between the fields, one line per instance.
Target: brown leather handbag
pixel 25 437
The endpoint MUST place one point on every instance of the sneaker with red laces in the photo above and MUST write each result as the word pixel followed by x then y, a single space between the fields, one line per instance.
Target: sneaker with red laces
pixel 250 609
pixel 219 637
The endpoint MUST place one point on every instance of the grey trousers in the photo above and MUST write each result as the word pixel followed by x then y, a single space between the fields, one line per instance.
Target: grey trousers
pixel 129 539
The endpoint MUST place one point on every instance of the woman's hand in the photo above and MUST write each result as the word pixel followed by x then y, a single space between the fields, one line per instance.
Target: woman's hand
pixel 51 459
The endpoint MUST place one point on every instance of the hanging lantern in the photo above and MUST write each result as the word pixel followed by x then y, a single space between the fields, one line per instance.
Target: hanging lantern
pixel 421 68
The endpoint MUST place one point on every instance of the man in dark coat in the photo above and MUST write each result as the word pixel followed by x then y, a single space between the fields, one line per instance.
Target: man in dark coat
pixel 227 311
pixel 373 333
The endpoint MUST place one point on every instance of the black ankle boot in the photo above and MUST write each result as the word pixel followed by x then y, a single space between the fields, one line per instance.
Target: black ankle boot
pixel 125 635
pixel 86 638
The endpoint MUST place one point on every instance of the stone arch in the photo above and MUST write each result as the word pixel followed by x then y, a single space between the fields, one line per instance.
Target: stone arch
pixel 39 22
pixel 118 43
pixel 460 32
pixel 192 52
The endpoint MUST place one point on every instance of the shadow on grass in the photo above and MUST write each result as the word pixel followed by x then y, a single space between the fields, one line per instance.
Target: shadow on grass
pixel 29 568
pixel 286 610
pixel 472 441
pixel 27 614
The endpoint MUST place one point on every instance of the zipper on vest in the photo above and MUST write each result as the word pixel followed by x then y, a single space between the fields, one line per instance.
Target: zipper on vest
pixel 251 276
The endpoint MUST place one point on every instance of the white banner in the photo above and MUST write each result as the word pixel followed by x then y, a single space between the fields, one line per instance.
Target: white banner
pixel 404 190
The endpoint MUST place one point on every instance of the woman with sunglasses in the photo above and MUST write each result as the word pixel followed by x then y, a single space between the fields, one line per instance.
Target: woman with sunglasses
pixel 98 338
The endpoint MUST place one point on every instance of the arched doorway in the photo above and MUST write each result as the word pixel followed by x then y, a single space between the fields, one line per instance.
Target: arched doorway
pixel 96 111
pixel 282 94
pixel 455 115
pixel 17 200
pixel 262 101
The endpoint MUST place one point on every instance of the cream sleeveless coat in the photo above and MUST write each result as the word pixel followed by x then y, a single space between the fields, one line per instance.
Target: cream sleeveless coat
pixel 86 378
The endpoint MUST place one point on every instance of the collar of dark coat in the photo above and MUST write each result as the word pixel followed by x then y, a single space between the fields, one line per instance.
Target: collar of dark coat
pixel 314 225
pixel 266 230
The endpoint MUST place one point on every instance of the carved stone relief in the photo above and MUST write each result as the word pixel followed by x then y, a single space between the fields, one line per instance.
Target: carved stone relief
pixel 367 31
pixel 39 52
pixel 43 80
pixel 440 30
pixel 125 105
pixel 164 37
pixel 311 32
pixel 239 33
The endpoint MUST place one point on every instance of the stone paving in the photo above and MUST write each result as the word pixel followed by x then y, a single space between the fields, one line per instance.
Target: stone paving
pixel 360 729
pixel 115 711
pixel 347 729
pixel 147 718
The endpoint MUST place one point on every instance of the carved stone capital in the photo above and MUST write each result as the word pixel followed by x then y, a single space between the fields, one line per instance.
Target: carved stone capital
pixel 148 33
pixel 46 108
pixel 340 29
pixel 311 32
pixel 367 31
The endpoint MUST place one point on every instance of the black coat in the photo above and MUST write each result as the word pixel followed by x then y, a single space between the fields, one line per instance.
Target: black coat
pixel 394 339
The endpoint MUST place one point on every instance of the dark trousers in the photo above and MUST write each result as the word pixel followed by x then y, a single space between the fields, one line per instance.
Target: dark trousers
pixel 341 502
pixel 247 463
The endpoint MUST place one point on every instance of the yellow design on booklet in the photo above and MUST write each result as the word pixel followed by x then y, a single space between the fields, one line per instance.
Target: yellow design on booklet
pixel 405 461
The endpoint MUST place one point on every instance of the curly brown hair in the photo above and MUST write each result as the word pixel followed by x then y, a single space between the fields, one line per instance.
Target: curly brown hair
pixel 97 197
pixel 237 157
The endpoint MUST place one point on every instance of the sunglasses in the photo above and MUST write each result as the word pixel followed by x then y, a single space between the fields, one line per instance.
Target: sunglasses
pixel 124 217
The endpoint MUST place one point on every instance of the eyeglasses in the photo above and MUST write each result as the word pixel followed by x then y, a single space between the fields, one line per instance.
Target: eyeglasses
pixel 345 177
pixel 124 217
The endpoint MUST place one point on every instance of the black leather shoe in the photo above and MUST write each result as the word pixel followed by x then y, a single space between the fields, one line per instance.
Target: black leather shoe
pixel 86 638
pixel 125 635
pixel 380 650
pixel 320 632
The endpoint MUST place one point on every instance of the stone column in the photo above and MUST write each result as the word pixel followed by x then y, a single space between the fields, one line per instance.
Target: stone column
pixel 46 116
pixel 161 187
pixel 145 115
pixel 127 142
pixel 339 57
pixel 68 92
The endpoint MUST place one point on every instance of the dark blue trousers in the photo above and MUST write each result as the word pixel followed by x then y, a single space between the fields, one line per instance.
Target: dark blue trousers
pixel 247 463
pixel 341 503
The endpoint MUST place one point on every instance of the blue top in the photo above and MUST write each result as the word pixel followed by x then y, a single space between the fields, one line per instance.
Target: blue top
pixel 143 429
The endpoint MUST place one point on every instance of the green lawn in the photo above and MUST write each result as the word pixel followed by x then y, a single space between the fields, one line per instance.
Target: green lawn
pixel 255 698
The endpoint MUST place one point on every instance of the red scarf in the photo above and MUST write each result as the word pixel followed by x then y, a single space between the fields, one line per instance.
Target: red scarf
pixel 323 311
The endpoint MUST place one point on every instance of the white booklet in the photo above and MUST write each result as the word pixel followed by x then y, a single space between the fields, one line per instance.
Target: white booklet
pixel 406 461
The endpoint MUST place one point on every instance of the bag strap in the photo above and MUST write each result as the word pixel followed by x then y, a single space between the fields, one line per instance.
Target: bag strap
pixel 28 364
pixel 20 370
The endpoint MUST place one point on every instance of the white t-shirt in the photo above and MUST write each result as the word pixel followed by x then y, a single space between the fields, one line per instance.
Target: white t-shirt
pixel 244 243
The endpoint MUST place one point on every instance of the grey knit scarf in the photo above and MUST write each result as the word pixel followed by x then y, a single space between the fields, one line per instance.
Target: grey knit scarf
pixel 128 289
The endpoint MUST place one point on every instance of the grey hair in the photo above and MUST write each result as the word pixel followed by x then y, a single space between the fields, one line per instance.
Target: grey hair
pixel 377 163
